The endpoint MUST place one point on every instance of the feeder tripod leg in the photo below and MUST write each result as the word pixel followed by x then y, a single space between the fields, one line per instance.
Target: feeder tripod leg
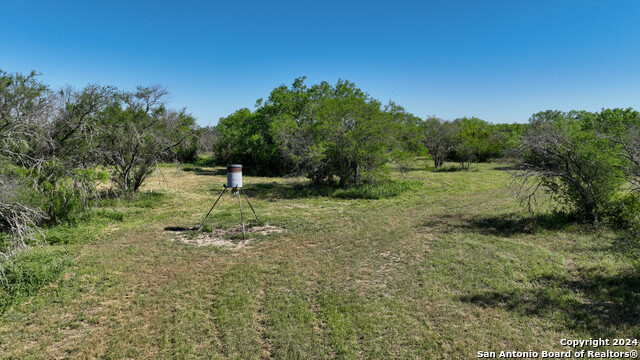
pixel 214 205
pixel 244 237
pixel 254 212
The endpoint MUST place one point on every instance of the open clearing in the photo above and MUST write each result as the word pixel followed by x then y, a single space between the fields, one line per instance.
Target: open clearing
pixel 450 269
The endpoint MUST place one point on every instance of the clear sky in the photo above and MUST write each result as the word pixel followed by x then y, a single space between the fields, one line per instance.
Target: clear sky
pixel 497 60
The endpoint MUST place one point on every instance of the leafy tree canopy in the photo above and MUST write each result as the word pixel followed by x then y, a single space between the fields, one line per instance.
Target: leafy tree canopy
pixel 326 132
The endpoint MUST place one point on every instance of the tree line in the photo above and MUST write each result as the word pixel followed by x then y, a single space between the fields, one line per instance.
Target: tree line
pixel 585 164
pixel 340 134
pixel 57 147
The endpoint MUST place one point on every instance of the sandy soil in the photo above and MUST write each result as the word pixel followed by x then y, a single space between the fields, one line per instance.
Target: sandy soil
pixel 220 237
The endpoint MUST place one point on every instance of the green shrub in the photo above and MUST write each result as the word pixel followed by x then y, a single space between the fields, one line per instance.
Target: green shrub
pixel 477 141
pixel 64 204
pixel 20 210
pixel 379 190
pixel 565 157
pixel 187 151
pixel 624 211
pixel 453 168
pixel 205 160
pixel 247 138
pixel 69 193
pixel 624 214
pixel 328 133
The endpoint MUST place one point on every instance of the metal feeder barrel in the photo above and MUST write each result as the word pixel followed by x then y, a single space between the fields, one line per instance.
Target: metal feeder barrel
pixel 234 176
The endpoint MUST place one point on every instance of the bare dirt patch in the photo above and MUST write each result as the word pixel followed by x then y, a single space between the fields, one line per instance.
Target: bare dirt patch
pixel 221 237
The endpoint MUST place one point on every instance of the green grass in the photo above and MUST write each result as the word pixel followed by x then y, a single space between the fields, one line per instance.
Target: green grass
pixel 379 190
pixel 29 271
pixel 205 160
pixel 444 268
pixel 42 265
pixel 85 230
pixel 150 199
pixel 454 168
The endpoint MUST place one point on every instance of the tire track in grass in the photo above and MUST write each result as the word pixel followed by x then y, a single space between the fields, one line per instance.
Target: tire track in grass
pixel 291 325
pixel 235 307
pixel 265 345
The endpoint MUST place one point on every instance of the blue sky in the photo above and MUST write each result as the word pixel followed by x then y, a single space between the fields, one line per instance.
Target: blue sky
pixel 497 60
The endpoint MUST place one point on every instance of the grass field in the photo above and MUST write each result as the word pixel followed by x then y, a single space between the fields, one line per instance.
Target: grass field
pixel 445 270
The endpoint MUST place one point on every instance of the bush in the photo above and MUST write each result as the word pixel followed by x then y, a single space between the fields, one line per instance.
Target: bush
pixel 205 160
pixel 440 138
pixel 340 134
pixel 510 136
pixel 564 156
pixel 624 212
pixel 187 152
pixel 20 211
pixel 329 133
pixel 246 138
pixel 476 142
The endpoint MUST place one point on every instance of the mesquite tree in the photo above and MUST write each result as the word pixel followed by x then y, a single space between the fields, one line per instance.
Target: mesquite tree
pixel 563 156
pixel 329 133
pixel 335 133
pixel 622 128
pixel 440 138
pixel 25 104
pixel 137 131
pixel 25 107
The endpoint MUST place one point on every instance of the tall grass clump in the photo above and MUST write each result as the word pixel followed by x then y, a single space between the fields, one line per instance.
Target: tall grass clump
pixel 373 190
pixel 28 272
pixel 380 190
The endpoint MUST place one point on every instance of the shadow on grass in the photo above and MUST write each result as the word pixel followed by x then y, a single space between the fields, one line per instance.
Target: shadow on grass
pixel 208 172
pixel 512 225
pixel 180 228
pixel 603 304
pixel 371 191
pixel 504 225
pixel 276 190
pixel 509 167
pixel 449 168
